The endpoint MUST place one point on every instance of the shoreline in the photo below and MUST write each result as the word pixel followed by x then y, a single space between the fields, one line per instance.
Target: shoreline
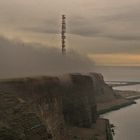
pixel 124 99
pixel 116 107
pixel 127 100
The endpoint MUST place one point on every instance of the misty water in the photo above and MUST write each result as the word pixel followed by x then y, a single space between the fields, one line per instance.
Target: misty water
pixel 127 119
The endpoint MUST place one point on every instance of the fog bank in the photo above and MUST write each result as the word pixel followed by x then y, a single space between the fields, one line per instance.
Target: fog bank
pixel 18 59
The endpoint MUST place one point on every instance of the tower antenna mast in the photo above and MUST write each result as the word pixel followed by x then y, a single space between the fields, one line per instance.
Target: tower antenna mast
pixel 63 34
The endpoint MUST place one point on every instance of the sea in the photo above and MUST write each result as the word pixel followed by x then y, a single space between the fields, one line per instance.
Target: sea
pixel 126 120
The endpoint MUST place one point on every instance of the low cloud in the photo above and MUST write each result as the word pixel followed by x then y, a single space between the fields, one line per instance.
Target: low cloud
pixel 19 59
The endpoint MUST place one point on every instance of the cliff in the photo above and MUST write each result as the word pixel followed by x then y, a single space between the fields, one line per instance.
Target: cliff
pixel 103 92
pixel 36 105
pixel 79 105
pixel 106 98
pixel 52 108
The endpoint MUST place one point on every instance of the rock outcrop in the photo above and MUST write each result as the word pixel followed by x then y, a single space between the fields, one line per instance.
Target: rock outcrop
pixel 103 92
pixel 37 105
pixel 79 105
pixel 51 108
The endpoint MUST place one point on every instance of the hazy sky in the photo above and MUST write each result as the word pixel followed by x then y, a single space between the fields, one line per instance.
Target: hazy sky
pixel 107 31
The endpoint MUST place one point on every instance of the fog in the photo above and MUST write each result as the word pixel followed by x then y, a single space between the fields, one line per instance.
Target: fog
pixel 18 59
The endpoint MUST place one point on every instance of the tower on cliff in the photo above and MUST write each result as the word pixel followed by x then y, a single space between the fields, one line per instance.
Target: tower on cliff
pixel 63 34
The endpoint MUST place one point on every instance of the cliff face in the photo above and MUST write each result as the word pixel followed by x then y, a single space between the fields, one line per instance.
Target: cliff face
pixel 44 107
pixel 38 105
pixel 103 92
pixel 79 105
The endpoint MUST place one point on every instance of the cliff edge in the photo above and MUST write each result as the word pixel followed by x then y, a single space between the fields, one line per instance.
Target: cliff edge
pixel 52 108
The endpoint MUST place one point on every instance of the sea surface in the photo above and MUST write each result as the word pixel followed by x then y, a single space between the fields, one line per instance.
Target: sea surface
pixel 133 88
pixel 126 120
pixel 119 73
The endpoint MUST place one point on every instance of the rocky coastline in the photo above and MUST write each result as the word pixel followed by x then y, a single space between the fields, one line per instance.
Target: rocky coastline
pixel 66 107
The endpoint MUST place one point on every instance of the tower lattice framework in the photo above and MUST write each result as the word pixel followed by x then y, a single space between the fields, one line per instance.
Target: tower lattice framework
pixel 63 34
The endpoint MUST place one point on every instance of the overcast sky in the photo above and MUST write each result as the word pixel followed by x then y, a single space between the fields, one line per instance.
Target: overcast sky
pixel 107 31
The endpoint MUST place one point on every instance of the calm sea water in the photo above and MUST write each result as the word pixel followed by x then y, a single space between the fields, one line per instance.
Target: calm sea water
pixel 126 120
pixel 119 73
pixel 134 87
